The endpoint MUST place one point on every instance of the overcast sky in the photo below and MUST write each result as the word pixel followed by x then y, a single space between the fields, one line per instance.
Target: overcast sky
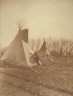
pixel 43 18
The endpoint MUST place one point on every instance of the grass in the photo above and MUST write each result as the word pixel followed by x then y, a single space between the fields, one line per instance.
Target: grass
pixel 53 79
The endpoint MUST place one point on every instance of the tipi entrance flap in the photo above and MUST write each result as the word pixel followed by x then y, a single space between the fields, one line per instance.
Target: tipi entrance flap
pixel 29 55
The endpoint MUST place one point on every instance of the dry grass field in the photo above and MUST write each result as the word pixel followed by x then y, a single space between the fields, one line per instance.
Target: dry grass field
pixel 52 79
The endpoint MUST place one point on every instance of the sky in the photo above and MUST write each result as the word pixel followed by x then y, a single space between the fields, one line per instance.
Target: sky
pixel 43 18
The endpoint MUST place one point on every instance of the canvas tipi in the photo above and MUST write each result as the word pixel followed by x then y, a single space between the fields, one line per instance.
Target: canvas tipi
pixel 18 52
pixel 43 53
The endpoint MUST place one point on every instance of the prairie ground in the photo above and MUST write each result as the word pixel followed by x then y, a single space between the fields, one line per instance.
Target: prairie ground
pixel 52 79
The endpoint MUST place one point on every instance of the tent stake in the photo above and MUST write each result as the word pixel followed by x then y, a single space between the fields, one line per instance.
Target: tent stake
pixel 33 70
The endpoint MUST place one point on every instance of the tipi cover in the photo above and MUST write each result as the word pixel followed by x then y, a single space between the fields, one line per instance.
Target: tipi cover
pixel 19 53
pixel 43 53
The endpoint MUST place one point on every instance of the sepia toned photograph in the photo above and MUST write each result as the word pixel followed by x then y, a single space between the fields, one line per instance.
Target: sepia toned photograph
pixel 36 47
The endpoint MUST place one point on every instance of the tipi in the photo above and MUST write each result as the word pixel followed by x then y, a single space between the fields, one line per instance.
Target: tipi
pixel 43 53
pixel 18 52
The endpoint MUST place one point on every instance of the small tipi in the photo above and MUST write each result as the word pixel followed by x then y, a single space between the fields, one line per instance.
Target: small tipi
pixel 43 53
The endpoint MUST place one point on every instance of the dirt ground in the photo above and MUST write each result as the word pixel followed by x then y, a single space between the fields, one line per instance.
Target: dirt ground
pixel 52 79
